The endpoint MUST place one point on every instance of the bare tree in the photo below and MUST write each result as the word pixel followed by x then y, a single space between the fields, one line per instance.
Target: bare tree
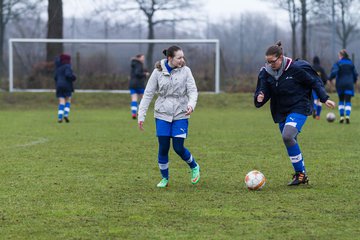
pixel 156 12
pixel 347 27
pixel 304 12
pixel 55 28
pixel 11 10
pixel 343 20
pixel 294 15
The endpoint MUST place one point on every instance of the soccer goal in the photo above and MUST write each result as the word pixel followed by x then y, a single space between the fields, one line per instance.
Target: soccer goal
pixel 103 65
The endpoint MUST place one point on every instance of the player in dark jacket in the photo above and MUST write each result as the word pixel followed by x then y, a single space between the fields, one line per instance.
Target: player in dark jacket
pixel 137 82
pixel 64 78
pixel 346 77
pixel 321 72
pixel 288 85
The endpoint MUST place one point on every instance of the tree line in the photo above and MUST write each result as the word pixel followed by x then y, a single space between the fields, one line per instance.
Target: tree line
pixel 316 27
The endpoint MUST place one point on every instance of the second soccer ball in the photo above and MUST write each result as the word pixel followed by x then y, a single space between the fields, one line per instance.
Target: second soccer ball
pixel 255 180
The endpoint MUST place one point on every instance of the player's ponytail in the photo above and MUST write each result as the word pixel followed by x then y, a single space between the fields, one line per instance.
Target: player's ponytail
pixel 275 49
pixel 344 53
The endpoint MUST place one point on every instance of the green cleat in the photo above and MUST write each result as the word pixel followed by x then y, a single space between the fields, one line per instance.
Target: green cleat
pixel 163 183
pixel 195 174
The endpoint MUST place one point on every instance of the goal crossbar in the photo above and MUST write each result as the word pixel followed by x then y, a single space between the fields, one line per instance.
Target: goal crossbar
pixel 44 40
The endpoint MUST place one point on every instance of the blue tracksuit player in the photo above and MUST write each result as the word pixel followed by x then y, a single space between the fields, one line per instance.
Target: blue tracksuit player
pixel 64 78
pixel 346 76
pixel 288 85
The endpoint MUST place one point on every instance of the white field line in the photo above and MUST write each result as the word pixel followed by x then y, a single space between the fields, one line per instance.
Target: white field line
pixel 32 143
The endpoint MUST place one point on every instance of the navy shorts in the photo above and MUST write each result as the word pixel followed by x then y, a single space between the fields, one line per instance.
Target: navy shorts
pixel 63 92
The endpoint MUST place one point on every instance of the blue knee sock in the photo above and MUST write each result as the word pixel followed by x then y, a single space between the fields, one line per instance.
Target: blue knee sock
pixel 61 111
pixel 163 156
pixel 189 159
pixel 348 109
pixel 318 110
pixel 178 144
pixel 163 162
pixel 67 109
pixel 134 105
pixel 296 158
pixel 341 108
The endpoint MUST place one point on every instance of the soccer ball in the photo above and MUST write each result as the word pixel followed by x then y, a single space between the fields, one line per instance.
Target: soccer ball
pixel 330 117
pixel 255 180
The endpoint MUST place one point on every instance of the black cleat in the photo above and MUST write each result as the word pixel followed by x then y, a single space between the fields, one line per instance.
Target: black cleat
pixel 133 116
pixel 341 120
pixel 314 114
pixel 347 120
pixel 67 119
pixel 60 120
pixel 299 178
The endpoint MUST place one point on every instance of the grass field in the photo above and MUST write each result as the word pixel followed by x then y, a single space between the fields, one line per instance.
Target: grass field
pixel 95 177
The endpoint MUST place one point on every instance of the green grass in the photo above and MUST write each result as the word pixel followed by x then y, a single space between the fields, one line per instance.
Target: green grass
pixel 95 178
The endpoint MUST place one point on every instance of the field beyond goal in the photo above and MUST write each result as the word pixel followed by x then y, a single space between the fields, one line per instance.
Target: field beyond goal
pixel 103 65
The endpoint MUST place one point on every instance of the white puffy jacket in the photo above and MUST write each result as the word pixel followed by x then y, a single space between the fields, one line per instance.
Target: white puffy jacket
pixel 176 91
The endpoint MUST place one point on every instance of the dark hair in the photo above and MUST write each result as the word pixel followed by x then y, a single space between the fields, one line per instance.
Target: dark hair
pixel 344 53
pixel 139 55
pixel 275 49
pixel 316 60
pixel 170 52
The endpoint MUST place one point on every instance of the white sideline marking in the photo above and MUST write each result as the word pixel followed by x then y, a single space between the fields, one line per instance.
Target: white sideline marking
pixel 29 144
pixel 32 143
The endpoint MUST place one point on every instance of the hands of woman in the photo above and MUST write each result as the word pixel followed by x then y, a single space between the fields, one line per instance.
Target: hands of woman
pixel 330 104
pixel 189 110
pixel 260 97
pixel 141 125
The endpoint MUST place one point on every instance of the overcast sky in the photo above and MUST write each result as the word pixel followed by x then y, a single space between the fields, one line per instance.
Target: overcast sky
pixel 215 8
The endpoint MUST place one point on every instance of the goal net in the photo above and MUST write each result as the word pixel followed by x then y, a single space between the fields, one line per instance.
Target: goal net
pixel 103 65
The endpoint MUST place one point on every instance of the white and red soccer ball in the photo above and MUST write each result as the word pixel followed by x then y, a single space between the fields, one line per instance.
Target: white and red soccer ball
pixel 255 180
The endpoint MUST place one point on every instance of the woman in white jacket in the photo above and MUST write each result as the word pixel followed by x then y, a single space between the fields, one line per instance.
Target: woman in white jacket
pixel 177 96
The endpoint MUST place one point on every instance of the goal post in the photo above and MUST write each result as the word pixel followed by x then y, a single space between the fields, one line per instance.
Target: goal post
pixel 13 41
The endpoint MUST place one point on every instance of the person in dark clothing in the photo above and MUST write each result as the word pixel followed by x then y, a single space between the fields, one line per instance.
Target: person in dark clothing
pixel 64 78
pixel 289 84
pixel 137 82
pixel 346 76
pixel 321 72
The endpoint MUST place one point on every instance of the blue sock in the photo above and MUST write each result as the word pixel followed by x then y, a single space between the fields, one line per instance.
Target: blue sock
pixel 341 108
pixel 314 106
pixel 178 144
pixel 134 105
pixel 348 109
pixel 163 156
pixel 189 159
pixel 318 110
pixel 163 162
pixel 67 109
pixel 296 158
pixel 61 111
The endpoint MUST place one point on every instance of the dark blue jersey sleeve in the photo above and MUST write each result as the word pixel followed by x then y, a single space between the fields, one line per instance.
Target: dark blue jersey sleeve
pixel 309 77
pixel 262 87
